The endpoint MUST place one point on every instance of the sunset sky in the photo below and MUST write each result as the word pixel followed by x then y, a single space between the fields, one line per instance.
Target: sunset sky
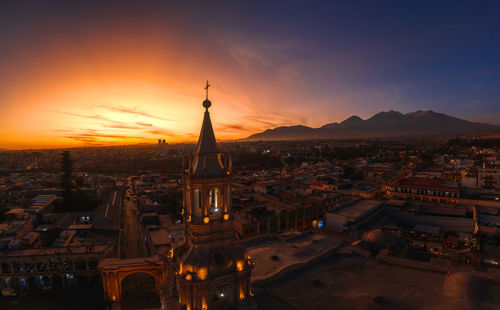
pixel 77 73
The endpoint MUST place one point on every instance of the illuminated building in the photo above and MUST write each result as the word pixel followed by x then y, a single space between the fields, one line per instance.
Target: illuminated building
pixel 212 269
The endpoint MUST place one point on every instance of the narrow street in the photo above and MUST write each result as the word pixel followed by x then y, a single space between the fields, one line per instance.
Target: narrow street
pixel 132 239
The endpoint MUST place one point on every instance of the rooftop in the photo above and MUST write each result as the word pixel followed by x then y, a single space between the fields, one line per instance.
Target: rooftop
pixel 357 209
pixel 426 184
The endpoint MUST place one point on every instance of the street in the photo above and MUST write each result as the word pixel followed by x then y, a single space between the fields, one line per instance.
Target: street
pixel 132 239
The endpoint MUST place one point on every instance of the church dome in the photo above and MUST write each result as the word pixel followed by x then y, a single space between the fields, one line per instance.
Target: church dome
pixel 381 237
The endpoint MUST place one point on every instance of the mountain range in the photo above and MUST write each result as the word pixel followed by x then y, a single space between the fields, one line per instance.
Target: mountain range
pixel 383 124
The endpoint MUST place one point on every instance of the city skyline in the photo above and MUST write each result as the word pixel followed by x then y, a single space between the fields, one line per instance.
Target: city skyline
pixel 90 74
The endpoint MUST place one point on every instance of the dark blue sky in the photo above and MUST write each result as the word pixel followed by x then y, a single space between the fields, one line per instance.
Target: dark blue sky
pixel 441 55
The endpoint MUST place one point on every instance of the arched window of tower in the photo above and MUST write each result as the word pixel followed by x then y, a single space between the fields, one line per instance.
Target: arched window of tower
pixel 214 201
pixel 197 202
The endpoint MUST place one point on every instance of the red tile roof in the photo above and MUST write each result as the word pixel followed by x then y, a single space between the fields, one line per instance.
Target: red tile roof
pixel 426 184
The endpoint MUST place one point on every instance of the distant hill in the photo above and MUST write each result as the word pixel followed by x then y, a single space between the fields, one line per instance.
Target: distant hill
pixel 383 124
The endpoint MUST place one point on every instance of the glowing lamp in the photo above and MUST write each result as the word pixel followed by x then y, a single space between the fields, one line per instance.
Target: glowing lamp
pixel 242 292
pixel 204 305
pixel 202 273
pixel 188 277
pixel 226 217
pixel 239 265
pixel 206 219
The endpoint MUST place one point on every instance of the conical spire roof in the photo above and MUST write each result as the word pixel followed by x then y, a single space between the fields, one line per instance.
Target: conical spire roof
pixel 206 162
pixel 206 141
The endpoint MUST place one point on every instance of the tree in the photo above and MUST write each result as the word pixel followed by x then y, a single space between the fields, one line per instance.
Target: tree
pixel 66 181
pixel 74 199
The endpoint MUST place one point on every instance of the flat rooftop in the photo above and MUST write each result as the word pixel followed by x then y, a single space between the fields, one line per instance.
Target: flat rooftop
pixel 301 250
pixel 350 282
pixel 357 209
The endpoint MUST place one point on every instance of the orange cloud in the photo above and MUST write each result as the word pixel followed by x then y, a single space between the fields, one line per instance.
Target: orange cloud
pixel 232 127
pixel 144 124
pixel 135 112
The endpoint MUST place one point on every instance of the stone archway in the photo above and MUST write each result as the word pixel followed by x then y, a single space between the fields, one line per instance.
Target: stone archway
pixel 122 276
pixel 140 287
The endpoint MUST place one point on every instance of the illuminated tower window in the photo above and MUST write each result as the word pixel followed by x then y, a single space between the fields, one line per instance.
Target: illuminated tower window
pixel 214 200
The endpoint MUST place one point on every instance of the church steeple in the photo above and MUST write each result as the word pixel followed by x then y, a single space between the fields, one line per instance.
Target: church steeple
pixel 207 161
pixel 212 270
pixel 206 141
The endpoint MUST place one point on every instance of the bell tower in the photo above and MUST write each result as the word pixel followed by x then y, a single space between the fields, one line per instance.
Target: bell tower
pixel 212 269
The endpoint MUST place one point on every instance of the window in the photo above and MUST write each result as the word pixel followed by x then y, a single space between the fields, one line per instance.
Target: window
pixel 213 200
pixel 197 198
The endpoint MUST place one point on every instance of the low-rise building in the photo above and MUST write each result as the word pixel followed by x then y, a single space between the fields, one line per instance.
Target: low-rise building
pixel 424 189
pixel 489 178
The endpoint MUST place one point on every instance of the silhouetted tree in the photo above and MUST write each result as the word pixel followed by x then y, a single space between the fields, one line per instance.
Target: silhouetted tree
pixel 73 199
pixel 66 181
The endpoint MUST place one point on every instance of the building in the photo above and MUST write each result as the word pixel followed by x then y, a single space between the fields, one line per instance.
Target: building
pixel 52 267
pixel 353 215
pixel 212 270
pixel 424 189
pixel 468 178
pixel 489 178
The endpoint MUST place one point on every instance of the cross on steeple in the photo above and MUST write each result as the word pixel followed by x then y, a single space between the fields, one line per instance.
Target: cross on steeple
pixel 206 88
